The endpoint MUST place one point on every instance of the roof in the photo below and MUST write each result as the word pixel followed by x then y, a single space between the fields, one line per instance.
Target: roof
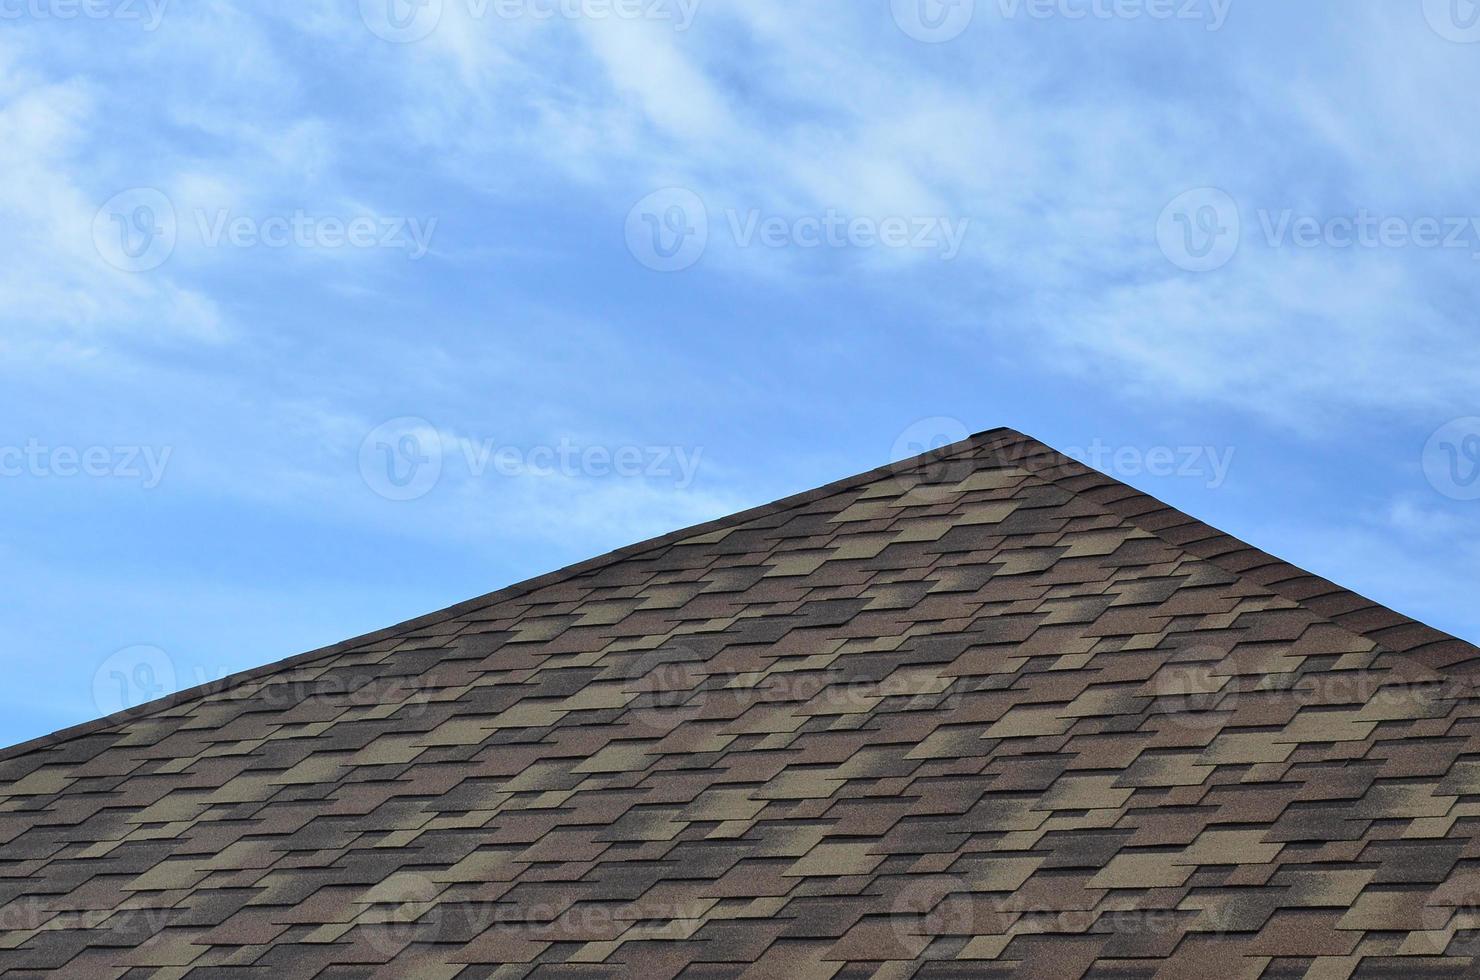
pixel 983 713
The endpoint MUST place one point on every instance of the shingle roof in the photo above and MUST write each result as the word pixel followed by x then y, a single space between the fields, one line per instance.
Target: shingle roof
pixel 984 713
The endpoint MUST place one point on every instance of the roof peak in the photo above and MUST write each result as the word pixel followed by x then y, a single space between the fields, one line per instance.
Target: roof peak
pixel 1007 446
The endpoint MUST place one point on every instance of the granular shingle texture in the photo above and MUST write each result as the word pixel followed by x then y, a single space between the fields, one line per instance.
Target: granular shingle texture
pixel 987 713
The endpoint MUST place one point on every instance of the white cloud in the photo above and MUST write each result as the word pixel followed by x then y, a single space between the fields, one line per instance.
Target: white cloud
pixel 1061 143
pixel 55 287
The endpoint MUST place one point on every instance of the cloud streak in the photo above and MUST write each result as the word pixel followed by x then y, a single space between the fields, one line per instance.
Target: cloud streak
pixel 1047 149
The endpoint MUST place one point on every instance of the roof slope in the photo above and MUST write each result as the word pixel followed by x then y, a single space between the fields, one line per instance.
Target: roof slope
pixel 985 713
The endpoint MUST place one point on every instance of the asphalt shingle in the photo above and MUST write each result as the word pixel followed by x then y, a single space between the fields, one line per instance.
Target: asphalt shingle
pixel 983 713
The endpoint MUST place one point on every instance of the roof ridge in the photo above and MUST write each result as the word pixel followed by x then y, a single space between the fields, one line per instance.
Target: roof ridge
pixel 1335 604
pixel 514 591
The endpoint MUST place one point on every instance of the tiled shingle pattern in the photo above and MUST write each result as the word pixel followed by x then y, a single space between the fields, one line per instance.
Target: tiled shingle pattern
pixel 989 714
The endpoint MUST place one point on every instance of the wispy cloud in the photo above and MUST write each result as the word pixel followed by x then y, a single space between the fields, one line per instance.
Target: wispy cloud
pixel 1054 146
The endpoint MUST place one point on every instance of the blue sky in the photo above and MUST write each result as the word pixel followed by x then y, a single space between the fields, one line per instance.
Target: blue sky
pixel 316 316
